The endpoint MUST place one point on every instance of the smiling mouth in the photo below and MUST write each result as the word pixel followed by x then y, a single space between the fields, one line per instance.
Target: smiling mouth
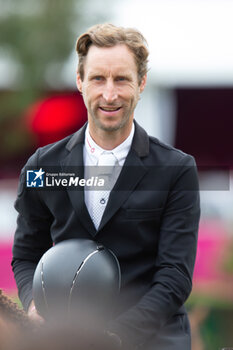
pixel 110 109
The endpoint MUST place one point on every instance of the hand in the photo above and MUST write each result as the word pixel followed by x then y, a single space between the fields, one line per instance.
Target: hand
pixel 33 314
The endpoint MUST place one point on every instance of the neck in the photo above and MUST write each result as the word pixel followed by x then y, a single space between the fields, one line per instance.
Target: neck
pixel 109 140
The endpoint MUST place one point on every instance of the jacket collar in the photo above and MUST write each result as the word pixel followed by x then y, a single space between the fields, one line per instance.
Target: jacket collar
pixel 140 142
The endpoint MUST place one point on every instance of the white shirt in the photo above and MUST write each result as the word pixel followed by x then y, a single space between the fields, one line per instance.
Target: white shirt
pixel 91 155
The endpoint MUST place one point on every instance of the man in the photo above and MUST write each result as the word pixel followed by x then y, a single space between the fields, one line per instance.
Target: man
pixel 149 219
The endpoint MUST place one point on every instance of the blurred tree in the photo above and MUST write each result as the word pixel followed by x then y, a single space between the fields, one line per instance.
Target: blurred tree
pixel 39 36
pixel 36 40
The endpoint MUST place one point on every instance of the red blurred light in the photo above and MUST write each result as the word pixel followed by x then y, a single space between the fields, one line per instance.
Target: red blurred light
pixel 56 117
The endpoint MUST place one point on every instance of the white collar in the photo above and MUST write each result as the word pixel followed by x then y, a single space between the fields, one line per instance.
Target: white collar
pixel 120 152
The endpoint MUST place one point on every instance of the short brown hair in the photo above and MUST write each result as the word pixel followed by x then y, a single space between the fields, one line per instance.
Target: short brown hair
pixel 108 35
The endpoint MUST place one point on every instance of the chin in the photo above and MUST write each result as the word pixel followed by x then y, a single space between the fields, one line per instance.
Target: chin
pixel 111 125
pixel 107 127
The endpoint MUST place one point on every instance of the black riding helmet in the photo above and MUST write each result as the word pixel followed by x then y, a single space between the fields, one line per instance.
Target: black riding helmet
pixel 77 279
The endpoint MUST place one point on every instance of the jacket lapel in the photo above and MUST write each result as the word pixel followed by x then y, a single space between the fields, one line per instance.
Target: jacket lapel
pixel 131 174
pixel 74 160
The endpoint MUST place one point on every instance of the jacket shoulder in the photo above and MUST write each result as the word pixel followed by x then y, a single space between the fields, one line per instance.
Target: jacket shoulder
pixel 51 152
pixel 168 152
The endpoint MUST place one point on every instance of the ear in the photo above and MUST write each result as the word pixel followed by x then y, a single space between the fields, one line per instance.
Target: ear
pixel 143 83
pixel 79 82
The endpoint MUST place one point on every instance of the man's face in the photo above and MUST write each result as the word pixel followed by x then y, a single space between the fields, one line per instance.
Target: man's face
pixel 110 87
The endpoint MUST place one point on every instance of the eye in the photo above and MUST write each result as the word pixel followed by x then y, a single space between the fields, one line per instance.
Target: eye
pixel 97 78
pixel 121 79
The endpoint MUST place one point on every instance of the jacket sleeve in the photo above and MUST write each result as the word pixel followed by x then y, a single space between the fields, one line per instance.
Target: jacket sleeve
pixel 32 236
pixel 172 281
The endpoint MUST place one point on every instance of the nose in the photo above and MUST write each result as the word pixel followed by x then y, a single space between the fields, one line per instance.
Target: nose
pixel 109 92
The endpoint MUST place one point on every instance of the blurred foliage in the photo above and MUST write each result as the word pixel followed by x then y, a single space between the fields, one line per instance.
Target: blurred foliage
pixel 202 300
pixel 38 35
pixel 216 331
pixel 211 321
pixel 36 39
pixel 228 263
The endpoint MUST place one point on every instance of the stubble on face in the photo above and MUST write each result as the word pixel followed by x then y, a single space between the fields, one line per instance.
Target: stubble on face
pixel 127 117
pixel 110 89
